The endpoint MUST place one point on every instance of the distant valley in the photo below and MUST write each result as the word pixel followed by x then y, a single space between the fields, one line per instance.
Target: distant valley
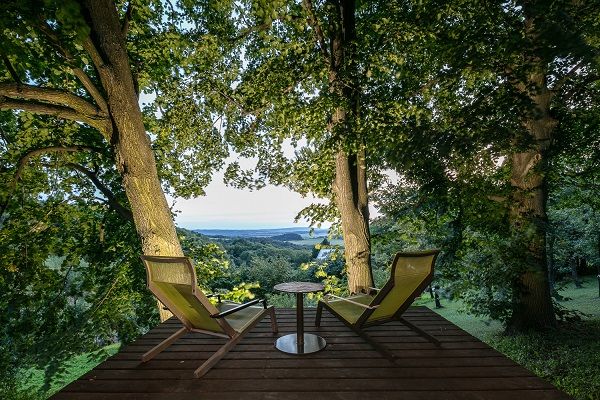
pixel 262 233
pixel 298 235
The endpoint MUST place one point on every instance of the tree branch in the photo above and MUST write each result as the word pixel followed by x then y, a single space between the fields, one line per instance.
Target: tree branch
pixel 110 196
pixel 314 23
pixel 30 154
pixel 92 50
pixel 10 68
pixel 50 95
pixel 85 80
pixel 87 83
pixel 262 27
pixel 125 24
pixel 560 82
pixel 101 123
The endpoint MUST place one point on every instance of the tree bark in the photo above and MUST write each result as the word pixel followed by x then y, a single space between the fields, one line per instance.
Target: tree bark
pixel 350 189
pixel 551 238
pixel 134 157
pixel 528 218
pixel 350 182
pixel 575 263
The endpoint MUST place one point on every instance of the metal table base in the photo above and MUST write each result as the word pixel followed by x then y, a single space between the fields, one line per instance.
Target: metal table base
pixel 300 342
pixel 311 344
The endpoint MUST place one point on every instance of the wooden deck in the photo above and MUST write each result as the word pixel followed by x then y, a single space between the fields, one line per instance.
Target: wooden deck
pixel 348 368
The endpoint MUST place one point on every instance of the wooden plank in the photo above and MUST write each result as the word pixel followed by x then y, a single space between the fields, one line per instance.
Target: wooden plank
pixel 310 363
pixel 302 373
pixel 543 394
pixel 325 354
pixel 331 345
pixel 298 385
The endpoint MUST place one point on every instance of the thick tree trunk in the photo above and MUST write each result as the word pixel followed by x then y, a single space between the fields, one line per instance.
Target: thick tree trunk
pixel 528 217
pixel 134 157
pixel 350 182
pixel 350 188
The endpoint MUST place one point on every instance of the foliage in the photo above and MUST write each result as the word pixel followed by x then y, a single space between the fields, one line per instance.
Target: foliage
pixel 331 272
pixel 569 357
pixel 213 271
pixel 71 281
pixel 266 262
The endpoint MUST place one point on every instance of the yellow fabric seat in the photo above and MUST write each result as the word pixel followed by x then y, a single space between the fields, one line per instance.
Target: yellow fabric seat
pixel 242 318
pixel 410 275
pixel 173 281
pixel 349 311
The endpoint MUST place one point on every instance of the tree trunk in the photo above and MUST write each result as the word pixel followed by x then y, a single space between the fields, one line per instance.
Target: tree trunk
pixel 528 219
pixel 350 182
pixel 575 262
pixel 551 268
pixel 350 188
pixel 598 266
pixel 133 153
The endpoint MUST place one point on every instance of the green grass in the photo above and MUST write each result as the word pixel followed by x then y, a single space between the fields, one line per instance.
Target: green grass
pixel 32 380
pixel 569 357
pixel 585 300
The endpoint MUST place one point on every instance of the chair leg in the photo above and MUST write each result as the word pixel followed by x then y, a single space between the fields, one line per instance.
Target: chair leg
pixel 215 358
pixel 420 332
pixel 319 312
pixel 150 354
pixel 274 327
pixel 379 347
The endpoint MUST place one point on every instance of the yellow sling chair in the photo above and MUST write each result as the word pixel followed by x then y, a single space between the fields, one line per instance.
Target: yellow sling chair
pixel 410 275
pixel 173 281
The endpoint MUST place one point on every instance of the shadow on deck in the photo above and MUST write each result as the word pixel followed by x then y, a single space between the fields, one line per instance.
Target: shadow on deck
pixel 348 368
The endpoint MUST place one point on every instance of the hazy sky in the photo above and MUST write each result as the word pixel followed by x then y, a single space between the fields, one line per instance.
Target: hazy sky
pixel 226 207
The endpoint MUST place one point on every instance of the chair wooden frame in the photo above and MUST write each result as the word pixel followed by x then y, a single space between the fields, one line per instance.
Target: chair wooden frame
pixel 228 332
pixel 362 322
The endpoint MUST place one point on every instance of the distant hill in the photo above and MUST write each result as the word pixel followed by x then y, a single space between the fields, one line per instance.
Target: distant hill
pixel 287 236
pixel 260 233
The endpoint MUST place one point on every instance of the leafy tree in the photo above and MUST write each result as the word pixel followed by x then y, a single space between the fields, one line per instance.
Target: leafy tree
pixel 81 66
pixel 549 63
pixel 512 83
pixel 321 76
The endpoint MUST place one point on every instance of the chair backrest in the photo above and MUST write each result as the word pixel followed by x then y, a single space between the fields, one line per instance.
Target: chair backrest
pixel 173 281
pixel 410 275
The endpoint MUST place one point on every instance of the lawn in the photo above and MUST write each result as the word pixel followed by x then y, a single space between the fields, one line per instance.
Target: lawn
pixel 32 379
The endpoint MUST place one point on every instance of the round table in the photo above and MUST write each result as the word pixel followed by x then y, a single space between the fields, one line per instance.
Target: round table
pixel 300 342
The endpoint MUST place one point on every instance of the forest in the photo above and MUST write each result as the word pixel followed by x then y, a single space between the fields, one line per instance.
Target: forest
pixel 472 127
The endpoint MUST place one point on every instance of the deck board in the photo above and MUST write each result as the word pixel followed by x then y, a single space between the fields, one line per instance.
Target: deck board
pixel 348 368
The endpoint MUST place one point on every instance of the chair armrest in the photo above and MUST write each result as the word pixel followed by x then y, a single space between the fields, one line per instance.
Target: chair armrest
pixel 240 307
pixel 354 302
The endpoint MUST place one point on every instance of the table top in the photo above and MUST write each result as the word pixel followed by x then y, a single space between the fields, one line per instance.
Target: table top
pixel 299 287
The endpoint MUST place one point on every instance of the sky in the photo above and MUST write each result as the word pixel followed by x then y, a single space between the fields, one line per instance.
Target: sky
pixel 225 207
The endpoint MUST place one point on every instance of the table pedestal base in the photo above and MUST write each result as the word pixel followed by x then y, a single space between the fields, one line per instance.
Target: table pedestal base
pixel 289 344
